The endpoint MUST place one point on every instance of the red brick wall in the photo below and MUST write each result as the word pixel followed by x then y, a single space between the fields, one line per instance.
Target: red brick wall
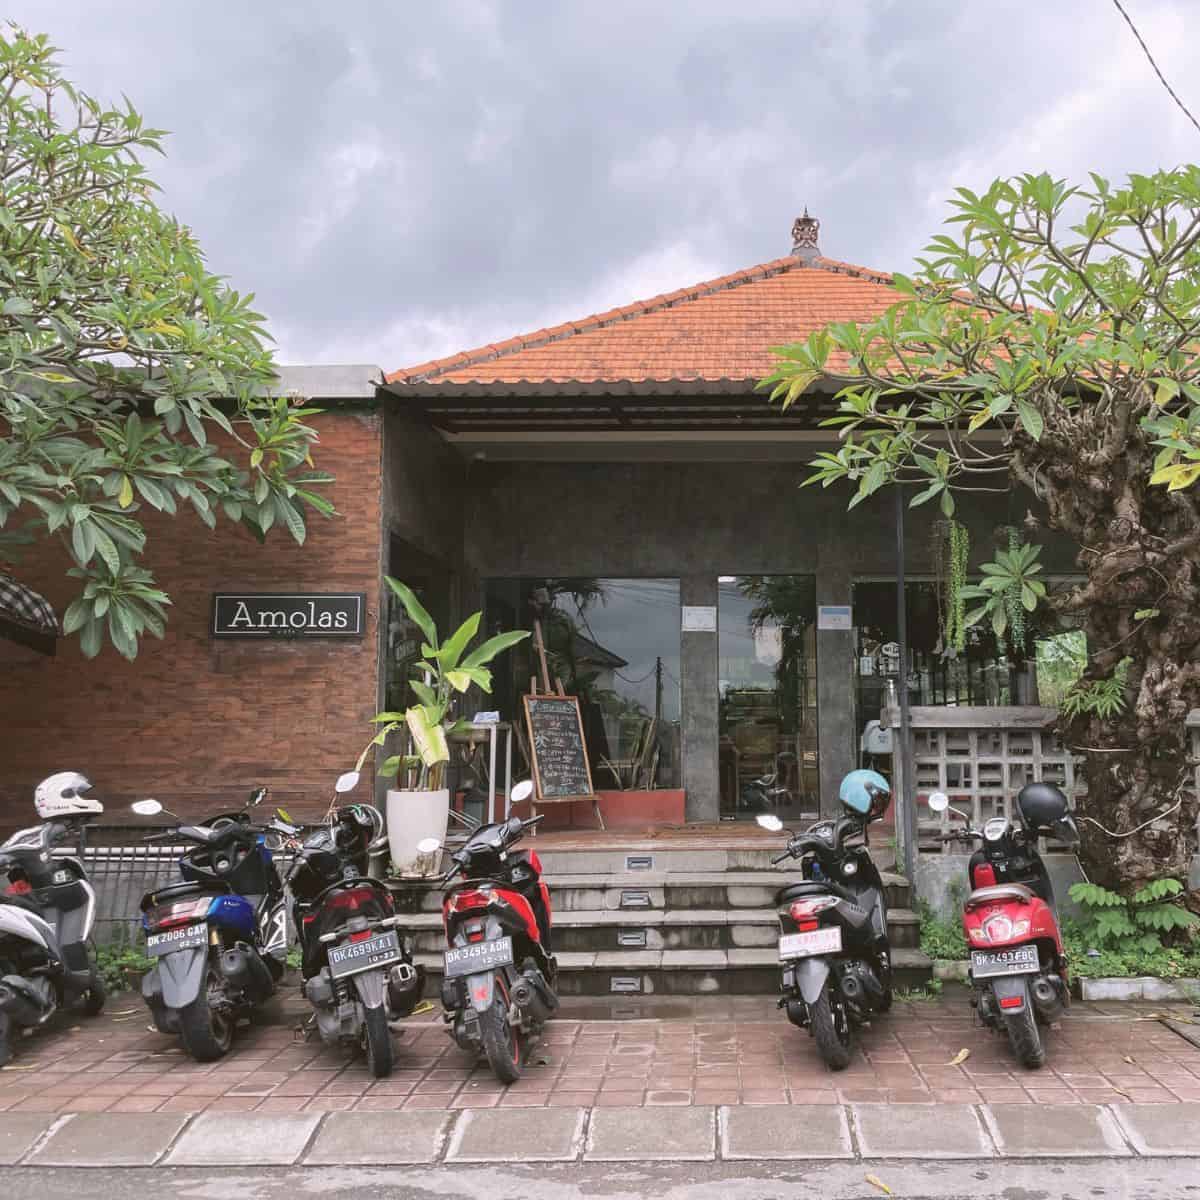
pixel 197 722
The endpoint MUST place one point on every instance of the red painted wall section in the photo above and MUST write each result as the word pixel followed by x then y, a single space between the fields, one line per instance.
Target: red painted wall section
pixel 198 722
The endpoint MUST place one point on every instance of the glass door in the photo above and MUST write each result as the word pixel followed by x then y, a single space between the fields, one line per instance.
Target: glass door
pixel 767 678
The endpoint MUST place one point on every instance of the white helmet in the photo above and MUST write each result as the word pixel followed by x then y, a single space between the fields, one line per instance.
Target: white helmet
pixel 65 795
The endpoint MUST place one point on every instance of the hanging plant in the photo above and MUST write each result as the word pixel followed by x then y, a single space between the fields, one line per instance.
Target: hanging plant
pixel 958 550
pixel 1013 606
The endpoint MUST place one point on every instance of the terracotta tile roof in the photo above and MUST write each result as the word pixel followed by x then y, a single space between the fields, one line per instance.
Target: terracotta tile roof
pixel 718 330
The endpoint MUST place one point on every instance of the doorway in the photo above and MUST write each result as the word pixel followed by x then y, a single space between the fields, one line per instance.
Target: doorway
pixel 767 682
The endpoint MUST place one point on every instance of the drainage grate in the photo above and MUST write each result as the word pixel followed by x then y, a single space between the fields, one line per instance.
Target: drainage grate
pixel 639 862
pixel 625 983
pixel 635 899
pixel 632 938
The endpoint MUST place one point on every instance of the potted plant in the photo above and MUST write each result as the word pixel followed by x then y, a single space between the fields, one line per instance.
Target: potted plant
pixel 418 808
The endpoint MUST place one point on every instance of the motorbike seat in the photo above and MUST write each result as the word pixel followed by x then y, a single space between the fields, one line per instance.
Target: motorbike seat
pixel 797 891
pixel 998 893
pixel 185 887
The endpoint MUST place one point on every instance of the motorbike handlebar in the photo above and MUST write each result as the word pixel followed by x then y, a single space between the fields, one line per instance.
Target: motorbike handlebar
pixel 780 858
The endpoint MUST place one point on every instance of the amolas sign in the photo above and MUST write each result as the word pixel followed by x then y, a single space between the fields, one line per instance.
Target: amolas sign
pixel 288 614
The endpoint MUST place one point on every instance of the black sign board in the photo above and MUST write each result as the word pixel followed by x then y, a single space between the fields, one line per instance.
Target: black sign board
pixel 560 762
pixel 289 614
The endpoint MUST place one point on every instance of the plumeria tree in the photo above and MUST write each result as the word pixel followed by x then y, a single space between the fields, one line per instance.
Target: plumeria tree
pixel 132 379
pixel 1048 343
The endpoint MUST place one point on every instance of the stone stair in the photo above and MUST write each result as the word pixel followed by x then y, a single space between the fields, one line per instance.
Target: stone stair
pixel 647 921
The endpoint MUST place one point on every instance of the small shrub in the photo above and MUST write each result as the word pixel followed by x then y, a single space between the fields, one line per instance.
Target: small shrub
pixel 1134 924
pixel 941 938
pixel 117 962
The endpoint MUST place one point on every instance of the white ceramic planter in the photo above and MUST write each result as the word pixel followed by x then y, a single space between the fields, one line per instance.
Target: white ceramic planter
pixel 412 817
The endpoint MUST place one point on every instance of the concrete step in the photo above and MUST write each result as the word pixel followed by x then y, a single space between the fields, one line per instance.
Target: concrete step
pixel 641 892
pixel 601 930
pixel 741 972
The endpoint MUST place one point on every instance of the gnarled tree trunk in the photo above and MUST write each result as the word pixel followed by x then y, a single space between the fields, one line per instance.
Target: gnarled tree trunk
pixel 1140 604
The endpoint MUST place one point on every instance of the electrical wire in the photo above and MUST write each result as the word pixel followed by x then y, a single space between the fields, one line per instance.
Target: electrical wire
pixel 1161 78
pixel 1092 821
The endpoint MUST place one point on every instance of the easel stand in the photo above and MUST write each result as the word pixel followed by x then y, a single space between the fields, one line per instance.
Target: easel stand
pixel 574 729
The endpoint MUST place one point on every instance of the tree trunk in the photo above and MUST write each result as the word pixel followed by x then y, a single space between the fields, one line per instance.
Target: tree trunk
pixel 1140 606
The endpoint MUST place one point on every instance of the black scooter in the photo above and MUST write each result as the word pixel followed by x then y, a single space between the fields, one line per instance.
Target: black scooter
pixel 833 942
pixel 358 971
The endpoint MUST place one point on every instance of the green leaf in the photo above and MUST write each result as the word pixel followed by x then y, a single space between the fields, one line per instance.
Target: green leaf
pixel 456 643
pixel 415 610
pixel 125 497
pixel 106 549
pixel 486 651
pixel 1031 419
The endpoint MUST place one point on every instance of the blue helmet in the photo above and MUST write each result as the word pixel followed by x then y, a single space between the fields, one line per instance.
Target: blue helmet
pixel 866 793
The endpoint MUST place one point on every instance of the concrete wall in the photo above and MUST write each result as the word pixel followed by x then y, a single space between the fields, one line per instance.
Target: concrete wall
pixel 698 520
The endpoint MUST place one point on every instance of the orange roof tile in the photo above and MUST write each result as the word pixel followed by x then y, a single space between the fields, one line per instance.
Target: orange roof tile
pixel 718 330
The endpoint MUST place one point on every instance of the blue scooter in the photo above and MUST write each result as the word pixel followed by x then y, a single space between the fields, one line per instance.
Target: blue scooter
pixel 218 936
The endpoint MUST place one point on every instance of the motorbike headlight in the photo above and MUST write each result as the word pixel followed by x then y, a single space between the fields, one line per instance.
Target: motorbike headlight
pixel 850 868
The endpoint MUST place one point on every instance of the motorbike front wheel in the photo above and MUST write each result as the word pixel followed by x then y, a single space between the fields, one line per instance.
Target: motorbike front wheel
pixel 1024 1037
pixel 92 1001
pixel 206 1033
pixel 831 1029
pixel 378 1038
pixel 501 1041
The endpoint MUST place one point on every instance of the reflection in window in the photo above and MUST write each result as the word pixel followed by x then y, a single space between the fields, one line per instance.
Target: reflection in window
pixel 614 643
pixel 767 678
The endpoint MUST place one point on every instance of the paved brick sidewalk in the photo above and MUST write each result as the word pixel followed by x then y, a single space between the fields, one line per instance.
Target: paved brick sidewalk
pixel 684 1052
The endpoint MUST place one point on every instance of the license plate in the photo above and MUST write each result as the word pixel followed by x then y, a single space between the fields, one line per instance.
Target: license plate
pixel 1020 960
pixel 478 956
pixel 351 957
pixel 184 938
pixel 805 945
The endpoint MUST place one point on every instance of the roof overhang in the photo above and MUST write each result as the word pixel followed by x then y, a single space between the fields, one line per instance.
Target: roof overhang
pixel 626 407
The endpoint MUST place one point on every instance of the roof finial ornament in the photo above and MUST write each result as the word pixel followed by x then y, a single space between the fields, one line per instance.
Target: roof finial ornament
pixel 805 231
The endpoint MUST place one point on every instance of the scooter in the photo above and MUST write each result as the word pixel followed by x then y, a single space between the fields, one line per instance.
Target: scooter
pixel 358 973
pixel 218 937
pixel 833 925
pixel 1018 966
pixel 498 985
pixel 46 914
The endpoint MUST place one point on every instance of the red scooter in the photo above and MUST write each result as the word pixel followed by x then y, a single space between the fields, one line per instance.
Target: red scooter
pixel 498 987
pixel 1018 966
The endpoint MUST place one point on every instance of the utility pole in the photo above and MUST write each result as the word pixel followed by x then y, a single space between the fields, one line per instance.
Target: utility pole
pixel 906 801
pixel 658 688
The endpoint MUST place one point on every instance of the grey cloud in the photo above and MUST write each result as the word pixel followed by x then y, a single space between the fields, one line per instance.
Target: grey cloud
pixel 399 181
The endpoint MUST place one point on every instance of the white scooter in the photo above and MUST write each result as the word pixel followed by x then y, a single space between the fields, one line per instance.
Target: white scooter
pixel 47 911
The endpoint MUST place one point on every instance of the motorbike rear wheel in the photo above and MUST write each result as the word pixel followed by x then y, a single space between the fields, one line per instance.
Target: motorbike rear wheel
pixel 206 1033
pixel 501 1041
pixel 378 1038
pixel 1024 1037
pixel 831 1029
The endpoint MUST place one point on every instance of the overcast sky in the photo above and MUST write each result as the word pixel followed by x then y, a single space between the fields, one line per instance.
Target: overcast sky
pixel 398 181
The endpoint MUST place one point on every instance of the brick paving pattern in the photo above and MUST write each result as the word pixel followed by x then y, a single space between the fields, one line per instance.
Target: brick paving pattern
pixel 683 1051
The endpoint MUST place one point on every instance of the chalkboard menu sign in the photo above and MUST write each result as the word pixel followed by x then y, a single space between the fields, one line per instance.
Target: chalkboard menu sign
pixel 560 762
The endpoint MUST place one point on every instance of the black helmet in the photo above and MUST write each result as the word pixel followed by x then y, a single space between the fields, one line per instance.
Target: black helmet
pixel 1042 806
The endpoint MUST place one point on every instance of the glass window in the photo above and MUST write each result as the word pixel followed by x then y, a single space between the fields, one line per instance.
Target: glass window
pixel 614 643
pixel 767 676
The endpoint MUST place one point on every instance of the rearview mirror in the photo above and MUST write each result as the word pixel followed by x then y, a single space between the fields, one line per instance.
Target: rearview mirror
pixel 939 802
pixel 522 791
pixel 347 782
pixel 257 797
pixel 769 821
pixel 428 846
pixel 146 808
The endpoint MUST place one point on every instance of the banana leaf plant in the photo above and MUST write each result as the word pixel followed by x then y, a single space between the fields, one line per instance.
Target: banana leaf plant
pixel 445 670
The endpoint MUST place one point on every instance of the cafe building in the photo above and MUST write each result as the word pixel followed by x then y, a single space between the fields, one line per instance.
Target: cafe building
pixel 732 637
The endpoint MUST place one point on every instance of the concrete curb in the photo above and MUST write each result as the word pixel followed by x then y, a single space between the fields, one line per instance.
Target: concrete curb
pixel 858 1132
